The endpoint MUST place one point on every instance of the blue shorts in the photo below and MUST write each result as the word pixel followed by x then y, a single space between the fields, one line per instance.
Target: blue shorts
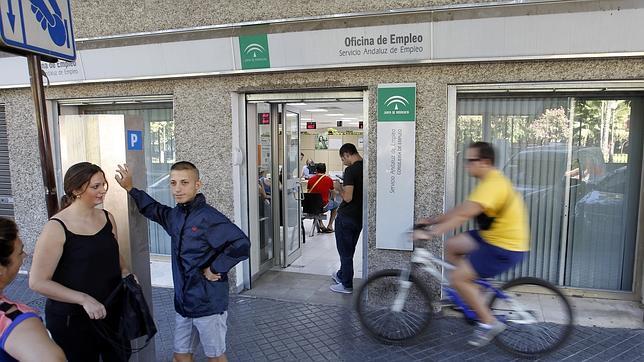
pixel 489 260
pixel 331 205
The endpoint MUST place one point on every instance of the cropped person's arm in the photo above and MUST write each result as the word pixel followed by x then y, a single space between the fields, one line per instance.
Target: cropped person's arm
pixel 49 249
pixel 29 341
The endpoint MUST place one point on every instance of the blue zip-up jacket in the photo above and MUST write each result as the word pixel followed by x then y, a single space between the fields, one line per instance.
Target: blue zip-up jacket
pixel 201 236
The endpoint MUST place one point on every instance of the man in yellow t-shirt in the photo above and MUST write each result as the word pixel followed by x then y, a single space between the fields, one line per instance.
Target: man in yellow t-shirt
pixel 500 243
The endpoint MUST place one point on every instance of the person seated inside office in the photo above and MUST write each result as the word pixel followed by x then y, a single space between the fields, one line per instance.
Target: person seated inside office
pixel 308 170
pixel 264 184
pixel 322 184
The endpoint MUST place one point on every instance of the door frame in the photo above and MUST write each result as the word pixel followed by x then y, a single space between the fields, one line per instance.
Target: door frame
pixel 241 133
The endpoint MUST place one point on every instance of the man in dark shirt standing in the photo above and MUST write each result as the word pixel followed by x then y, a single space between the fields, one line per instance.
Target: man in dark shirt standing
pixel 348 225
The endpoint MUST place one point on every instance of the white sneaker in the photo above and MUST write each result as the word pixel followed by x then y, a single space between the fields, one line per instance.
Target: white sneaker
pixel 339 288
pixel 335 278
pixel 483 335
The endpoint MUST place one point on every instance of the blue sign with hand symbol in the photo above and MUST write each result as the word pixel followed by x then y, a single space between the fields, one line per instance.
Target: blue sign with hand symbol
pixel 51 22
pixel 38 26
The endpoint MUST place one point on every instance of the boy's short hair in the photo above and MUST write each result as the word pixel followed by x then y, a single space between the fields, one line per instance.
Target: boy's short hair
pixel 185 165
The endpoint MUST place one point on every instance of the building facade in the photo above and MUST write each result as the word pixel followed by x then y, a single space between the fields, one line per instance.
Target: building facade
pixel 557 86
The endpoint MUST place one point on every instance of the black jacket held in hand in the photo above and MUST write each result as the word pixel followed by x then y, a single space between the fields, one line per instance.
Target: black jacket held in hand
pixel 201 237
pixel 133 318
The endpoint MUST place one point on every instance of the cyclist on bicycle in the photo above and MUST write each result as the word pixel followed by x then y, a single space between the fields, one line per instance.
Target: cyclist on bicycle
pixel 500 243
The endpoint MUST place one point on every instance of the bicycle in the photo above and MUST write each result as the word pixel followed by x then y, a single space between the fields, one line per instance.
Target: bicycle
pixel 395 307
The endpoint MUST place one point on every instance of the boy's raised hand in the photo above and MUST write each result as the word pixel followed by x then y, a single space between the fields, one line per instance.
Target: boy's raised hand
pixel 123 177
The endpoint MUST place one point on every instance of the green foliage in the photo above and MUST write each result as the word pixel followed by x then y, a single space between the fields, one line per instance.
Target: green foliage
pixel 597 123
pixel 551 126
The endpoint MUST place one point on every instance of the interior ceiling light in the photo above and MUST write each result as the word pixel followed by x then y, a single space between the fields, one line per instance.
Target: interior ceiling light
pixel 297 104
pixel 335 114
pixel 316 110
pixel 305 119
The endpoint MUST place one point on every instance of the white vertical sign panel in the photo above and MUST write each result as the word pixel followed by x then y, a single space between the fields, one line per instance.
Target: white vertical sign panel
pixel 396 171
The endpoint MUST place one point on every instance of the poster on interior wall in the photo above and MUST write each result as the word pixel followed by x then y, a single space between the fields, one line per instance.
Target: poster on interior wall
pixel 322 142
pixel 396 156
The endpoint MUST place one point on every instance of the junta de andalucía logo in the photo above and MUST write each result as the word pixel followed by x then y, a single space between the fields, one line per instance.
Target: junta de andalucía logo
pixel 254 50
pixel 396 105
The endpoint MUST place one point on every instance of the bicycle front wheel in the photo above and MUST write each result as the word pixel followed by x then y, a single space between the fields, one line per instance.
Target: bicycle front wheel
pixel 393 310
pixel 537 315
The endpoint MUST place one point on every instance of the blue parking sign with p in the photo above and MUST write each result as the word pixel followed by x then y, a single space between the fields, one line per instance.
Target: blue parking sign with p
pixel 134 140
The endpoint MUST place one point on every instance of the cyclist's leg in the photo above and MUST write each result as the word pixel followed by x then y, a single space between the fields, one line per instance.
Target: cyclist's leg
pixel 463 276
pixel 462 279
pixel 458 246
pixel 488 261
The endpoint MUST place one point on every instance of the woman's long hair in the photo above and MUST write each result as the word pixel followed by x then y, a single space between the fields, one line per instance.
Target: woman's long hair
pixel 77 178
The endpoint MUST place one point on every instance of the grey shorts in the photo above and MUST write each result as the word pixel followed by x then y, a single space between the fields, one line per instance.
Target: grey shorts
pixel 210 330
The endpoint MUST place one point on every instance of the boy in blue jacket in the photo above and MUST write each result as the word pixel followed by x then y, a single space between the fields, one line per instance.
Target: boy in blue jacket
pixel 205 246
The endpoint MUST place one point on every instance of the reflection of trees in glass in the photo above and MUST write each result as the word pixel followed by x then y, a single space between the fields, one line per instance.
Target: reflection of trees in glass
pixel 605 124
pixel 162 141
pixel 551 126
pixel 512 128
pixel 518 129
pixel 469 129
pixel 597 123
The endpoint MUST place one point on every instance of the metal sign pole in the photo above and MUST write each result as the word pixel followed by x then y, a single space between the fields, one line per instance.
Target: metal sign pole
pixel 46 161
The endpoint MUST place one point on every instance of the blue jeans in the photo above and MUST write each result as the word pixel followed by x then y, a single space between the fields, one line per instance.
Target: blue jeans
pixel 347 232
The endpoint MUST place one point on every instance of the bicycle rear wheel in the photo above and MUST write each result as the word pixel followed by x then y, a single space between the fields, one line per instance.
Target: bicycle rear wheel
pixel 538 317
pixel 375 304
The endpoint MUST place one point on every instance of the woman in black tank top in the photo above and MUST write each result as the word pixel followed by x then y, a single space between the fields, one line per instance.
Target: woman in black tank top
pixel 77 264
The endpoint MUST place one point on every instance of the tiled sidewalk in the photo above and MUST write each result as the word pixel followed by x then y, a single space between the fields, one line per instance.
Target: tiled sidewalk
pixel 269 330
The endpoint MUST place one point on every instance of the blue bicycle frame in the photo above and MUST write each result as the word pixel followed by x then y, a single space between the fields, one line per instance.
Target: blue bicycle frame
pixel 459 302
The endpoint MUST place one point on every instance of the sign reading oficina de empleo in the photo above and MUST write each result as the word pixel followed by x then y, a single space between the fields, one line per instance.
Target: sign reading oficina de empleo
pixel 41 27
pixel 395 165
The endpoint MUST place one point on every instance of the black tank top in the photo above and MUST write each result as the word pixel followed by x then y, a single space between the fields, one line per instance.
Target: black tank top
pixel 89 264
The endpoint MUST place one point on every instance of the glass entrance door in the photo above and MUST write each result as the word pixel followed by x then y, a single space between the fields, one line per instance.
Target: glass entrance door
pixel 276 218
pixel 291 214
